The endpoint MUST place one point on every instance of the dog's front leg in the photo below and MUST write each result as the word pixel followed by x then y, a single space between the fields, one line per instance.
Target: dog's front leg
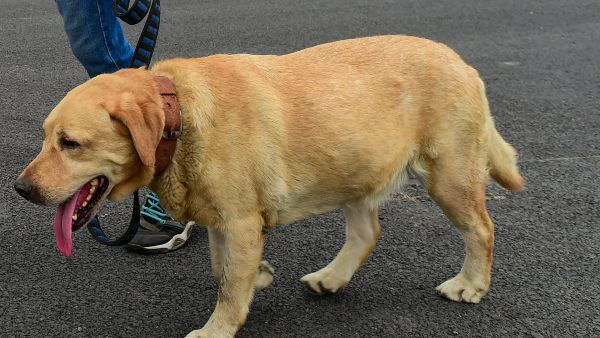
pixel 264 277
pixel 241 243
pixel 216 242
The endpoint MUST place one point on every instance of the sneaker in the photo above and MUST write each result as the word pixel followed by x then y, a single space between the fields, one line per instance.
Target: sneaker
pixel 158 232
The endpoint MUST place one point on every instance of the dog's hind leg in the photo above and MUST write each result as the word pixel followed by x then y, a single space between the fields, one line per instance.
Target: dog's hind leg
pixel 457 183
pixel 362 232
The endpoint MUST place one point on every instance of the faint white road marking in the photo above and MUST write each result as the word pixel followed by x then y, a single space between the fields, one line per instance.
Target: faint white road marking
pixel 561 158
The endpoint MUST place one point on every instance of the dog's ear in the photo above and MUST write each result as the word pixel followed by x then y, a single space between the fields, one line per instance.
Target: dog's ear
pixel 145 121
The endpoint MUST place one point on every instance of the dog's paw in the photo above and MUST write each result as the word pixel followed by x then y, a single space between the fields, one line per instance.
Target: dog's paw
pixel 325 281
pixel 197 334
pixel 264 277
pixel 459 289
pixel 204 333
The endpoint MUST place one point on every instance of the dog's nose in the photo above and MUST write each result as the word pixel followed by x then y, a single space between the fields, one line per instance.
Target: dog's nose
pixel 24 187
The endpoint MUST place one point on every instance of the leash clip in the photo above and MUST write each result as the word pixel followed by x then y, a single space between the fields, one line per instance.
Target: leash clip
pixel 171 134
pixel 174 134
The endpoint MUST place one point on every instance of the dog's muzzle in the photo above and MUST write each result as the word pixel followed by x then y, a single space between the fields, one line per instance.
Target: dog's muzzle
pixel 28 190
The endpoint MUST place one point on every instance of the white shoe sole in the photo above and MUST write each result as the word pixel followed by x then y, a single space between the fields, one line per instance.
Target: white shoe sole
pixel 173 244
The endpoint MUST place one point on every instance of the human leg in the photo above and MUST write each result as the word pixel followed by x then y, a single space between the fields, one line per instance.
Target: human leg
pixel 95 35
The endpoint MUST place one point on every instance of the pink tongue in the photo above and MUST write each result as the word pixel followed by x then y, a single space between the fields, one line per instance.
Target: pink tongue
pixel 63 225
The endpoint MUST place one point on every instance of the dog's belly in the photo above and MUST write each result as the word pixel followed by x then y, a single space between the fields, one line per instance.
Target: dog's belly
pixel 370 179
pixel 305 209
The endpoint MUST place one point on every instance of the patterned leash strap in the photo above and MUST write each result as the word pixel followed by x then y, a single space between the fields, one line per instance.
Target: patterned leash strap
pixel 141 58
pixel 133 15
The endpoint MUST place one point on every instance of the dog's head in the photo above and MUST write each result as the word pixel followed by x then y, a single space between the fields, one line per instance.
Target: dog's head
pixel 100 142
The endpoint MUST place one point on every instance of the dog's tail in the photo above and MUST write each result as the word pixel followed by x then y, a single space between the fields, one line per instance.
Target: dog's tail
pixel 503 162
pixel 502 157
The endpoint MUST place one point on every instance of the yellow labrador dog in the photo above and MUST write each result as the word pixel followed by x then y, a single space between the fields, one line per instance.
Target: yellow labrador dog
pixel 270 140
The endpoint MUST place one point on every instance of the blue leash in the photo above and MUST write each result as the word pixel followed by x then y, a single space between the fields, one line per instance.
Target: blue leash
pixel 95 228
pixel 133 15
pixel 141 58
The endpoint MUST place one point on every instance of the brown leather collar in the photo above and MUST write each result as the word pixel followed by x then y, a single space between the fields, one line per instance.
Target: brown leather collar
pixel 173 124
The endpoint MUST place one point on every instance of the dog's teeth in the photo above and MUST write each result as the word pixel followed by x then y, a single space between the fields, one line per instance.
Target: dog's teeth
pixel 74 217
pixel 89 197
pixel 84 204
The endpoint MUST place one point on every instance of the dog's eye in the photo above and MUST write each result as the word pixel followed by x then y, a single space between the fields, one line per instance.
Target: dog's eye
pixel 69 144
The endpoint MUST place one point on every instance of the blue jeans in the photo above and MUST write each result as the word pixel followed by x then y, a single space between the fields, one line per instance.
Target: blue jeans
pixel 95 35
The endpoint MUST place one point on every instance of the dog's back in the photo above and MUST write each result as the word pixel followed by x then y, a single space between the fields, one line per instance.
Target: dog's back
pixel 342 121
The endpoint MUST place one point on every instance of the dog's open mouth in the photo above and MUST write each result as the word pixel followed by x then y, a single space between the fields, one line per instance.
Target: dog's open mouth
pixel 77 211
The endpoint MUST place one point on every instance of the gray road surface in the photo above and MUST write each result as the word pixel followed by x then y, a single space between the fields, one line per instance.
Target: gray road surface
pixel 540 60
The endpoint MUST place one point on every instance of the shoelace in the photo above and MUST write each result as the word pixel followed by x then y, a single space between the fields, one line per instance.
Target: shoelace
pixel 153 210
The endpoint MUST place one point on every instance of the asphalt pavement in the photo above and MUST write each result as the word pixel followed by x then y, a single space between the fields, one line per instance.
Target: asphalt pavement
pixel 540 61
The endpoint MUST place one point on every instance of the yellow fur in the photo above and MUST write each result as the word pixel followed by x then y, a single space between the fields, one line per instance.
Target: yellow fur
pixel 272 139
